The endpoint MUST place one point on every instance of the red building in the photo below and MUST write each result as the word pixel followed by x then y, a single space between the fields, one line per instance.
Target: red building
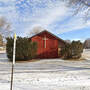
pixel 49 45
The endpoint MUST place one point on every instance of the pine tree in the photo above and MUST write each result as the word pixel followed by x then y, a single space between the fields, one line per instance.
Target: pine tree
pixel 72 50
pixel 25 49
pixel 1 40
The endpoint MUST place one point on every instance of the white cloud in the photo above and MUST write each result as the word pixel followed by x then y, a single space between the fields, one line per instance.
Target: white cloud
pixel 8 10
pixel 46 17
pixel 52 16
pixel 74 24
pixel 6 1
pixel 49 16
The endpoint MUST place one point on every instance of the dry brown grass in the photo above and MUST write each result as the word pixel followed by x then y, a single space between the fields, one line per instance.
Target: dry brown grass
pixel 25 61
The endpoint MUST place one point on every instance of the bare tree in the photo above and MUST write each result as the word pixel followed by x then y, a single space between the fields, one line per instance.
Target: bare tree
pixel 87 43
pixel 68 41
pixel 84 2
pixel 5 27
pixel 1 40
pixel 80 6
pixel 35 30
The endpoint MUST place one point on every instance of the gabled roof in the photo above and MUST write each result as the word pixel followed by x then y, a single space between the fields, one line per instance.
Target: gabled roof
pixel 50 34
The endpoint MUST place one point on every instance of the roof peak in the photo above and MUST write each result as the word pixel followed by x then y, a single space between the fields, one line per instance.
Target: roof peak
pixel 49 33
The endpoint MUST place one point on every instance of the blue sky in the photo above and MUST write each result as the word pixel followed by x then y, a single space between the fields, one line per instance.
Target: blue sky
pixel 52 15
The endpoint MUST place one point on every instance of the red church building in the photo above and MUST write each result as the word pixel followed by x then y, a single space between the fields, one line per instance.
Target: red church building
pixel 49 45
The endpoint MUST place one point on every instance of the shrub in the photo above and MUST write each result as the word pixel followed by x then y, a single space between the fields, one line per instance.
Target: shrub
pixel 73 50
pixel 77 49
pixel 25 49
pixel 66 52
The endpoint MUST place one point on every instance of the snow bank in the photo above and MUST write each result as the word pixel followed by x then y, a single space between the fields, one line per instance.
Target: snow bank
pixel 86 54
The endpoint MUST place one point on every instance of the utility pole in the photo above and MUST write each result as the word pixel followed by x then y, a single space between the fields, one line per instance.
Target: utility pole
pixel 13 63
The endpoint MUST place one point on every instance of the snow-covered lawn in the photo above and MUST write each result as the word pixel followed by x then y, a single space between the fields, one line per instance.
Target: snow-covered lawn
pixel 46 74
pixel 86 54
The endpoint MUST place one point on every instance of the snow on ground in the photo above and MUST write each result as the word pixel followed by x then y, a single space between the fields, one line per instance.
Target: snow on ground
pixel 86 54
pixel 46 74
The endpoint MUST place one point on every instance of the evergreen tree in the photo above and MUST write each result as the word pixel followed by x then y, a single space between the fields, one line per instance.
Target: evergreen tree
pixel 25 49
pixel 72 50
pixel 1 40
pixel 77 49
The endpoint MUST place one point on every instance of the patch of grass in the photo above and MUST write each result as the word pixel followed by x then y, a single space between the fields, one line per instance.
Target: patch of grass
pixel 81 59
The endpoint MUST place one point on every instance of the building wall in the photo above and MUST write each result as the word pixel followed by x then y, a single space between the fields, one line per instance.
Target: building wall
pixel 51 50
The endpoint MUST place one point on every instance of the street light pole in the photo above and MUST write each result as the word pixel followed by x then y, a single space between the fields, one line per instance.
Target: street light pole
pixel 12 77
pixel 13 63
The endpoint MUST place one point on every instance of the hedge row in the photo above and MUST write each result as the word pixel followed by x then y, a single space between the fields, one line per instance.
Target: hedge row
pixel 72 50
pixel 25 49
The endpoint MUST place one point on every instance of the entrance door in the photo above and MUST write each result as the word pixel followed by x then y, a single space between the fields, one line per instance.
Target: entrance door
pixel 50 50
